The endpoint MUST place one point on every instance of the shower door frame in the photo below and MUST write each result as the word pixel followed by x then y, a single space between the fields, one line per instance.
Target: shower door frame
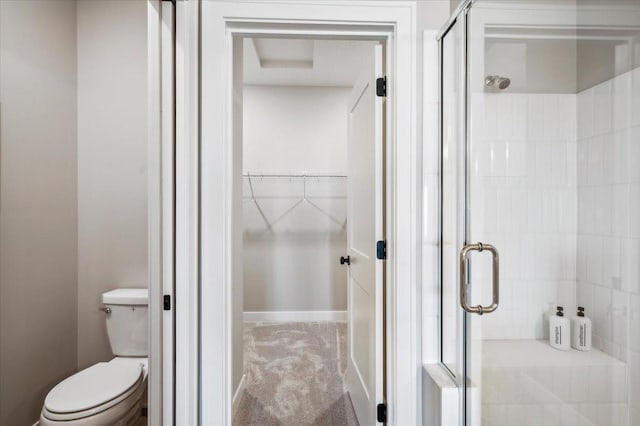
pixel 458 17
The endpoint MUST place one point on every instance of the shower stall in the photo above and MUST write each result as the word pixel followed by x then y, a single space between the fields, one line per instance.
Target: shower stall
pixel 540 208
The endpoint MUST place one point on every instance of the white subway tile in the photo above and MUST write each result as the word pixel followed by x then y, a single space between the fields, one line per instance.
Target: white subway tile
pixel 621 162
pixel 634 387
pixel 584 294
pixel 633 155
pixel 634 210
pixel 572 164
pixel 478 123
pixel 620 210
pixel 620 317
pixel 505 126
pixel 621 101
pixel 608 159
pixel 586 114
pixel 583 162
pixel 498 159
pixel 630 265
pixel 551 123
pixel 599 384
pixel 634 320
pixel 611 261
pixel 519 117
pixel 602 205
pixel 595 161
pixel 535 116
pixel 602 313
pixel 602 108
pixel 491 210
pixel 543 163
pixel 558 152
pixel 581 257
pixel 567 111
pixel 635 97
pixel 491 117
pixel 516 159
pixel 586 210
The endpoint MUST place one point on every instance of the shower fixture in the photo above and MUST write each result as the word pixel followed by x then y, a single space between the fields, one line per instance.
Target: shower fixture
pixel 492 80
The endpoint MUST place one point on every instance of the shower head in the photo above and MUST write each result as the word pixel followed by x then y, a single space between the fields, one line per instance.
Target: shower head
pixel 492 80
pixel 504 83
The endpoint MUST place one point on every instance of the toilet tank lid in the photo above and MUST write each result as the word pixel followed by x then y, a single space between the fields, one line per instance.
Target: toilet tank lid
pixel 126 296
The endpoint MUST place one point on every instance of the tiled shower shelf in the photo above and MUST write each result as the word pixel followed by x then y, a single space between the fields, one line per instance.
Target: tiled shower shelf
pixel 526 377
pixel 529 353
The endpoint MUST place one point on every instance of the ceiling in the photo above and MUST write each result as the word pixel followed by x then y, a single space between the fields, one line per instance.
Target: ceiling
pixel 303 62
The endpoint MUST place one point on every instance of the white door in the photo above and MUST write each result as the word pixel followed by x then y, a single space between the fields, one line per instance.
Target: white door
pixel 365 371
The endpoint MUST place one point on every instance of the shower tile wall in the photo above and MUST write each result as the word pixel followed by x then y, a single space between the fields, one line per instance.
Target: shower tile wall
pixel 524 201
pixel 608 256
pixel 556 187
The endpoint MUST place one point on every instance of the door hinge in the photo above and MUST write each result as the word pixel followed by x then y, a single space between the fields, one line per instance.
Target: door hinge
pixel 381 86
pixel 381 414
pixel 167 302
pixel 381 250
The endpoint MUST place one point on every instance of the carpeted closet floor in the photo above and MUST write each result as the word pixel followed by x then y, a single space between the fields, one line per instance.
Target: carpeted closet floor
pixel 294 375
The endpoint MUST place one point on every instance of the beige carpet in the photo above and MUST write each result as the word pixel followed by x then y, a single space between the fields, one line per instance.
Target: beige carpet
pixel 294 375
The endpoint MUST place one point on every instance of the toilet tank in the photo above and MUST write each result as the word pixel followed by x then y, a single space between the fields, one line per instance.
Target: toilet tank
pixel 126 311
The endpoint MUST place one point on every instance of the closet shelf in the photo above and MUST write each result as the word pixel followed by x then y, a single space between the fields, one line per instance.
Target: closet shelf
pixel 302 198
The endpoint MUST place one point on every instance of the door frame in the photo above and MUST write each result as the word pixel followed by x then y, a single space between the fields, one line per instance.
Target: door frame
pixel 204 188
pixel 158 194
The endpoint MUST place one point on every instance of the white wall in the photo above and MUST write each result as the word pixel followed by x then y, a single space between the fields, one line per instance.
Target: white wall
pixel 112 161
pixel 38 245
pixel 294 130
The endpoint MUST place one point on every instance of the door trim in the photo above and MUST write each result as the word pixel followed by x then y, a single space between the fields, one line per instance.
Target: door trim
pixel 156 214
pixel 204 178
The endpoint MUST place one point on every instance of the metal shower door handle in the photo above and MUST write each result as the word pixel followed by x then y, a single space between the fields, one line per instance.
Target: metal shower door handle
pixel 464 254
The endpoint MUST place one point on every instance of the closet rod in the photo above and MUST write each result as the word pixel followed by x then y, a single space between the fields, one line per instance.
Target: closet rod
pixel 291 175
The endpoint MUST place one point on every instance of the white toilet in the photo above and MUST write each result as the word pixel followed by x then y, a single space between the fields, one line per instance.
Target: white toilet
pixel 108 393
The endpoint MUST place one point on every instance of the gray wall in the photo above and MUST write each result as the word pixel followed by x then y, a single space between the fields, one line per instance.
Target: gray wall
pixel 38 202
pixel 112 161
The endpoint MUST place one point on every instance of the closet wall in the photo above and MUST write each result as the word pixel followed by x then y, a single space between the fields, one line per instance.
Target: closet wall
pixel 294 266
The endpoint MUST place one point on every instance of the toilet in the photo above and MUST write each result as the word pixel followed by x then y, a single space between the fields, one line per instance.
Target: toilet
pixel 108 393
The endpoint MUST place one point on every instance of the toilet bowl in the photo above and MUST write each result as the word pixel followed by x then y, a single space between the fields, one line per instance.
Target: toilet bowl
pixel 108 393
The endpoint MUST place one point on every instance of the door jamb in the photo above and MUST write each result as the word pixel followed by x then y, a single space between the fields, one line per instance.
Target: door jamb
pixel 210 209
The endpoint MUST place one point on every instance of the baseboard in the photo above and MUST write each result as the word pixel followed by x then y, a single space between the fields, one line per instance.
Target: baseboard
pixel 295 316
pixel 237 396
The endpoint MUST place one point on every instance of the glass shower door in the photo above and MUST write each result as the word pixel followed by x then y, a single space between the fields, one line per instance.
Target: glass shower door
pixel 551 153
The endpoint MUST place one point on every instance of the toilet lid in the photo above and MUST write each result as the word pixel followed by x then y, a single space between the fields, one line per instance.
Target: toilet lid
pixel 93 387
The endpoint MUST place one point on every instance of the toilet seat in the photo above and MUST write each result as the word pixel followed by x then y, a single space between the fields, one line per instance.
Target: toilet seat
pixel 96 389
